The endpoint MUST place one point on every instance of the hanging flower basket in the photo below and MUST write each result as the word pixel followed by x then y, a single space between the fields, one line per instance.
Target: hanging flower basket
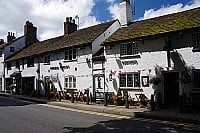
pixel 41 81
pixel 155 80
pixel 185 80
pixel 49 81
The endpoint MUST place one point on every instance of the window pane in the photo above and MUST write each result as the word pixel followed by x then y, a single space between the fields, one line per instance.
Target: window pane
pixel 122 80
pixel 123 49
pixel 74 54
pixel 136 80
pixel 66 82
pixel 129 80
pixel 70 54
pixel 74 82
pixel 70 82
pixel 135 49
pixel 129 49
pixel 67 55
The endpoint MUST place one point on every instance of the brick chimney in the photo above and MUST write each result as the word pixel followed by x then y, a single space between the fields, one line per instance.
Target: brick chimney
pixel 10 37
pixel 30 33
pixel 127 1
pixel 69 26
pixel 126 12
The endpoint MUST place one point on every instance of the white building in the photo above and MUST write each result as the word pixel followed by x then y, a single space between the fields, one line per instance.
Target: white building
pixel 65 60
pixel 11 47
pixel 167 47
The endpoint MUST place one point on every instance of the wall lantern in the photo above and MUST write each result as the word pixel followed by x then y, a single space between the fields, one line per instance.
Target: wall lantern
pixel 110 76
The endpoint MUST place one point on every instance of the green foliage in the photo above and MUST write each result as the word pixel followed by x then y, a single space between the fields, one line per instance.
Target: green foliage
pixel 155 80
pixel 119 93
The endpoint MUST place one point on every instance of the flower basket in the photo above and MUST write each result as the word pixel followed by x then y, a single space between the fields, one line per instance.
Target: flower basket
pixel 118 99
pixel 41 81
pixel 49 81
pixel 155 80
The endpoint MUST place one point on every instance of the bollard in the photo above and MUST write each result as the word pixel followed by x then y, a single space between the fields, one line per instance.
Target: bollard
pixel 152 103
pixel 72 99
pixel 126 100
pixel 59 96
pixel 87 96
pixel 106 99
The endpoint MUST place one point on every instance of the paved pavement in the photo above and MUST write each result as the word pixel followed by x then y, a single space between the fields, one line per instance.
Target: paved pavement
pixel 171 114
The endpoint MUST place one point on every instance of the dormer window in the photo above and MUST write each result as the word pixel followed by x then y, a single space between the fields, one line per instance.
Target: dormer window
pixel 128 49
pixel 196 41
pixel 12 49
pixel 70 54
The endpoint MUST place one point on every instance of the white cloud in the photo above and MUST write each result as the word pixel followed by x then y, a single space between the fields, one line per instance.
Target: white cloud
pixel 47 15
pixel 151 13
pixel 114 9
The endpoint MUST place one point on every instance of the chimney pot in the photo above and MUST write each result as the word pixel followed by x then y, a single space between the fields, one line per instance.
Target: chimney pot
pixel 70 19
pixel 67 19
pixel 69 26
pixel 73 21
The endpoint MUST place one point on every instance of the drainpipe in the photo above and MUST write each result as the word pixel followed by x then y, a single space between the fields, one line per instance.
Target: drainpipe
pixel 4 77
pixel 168 58
pixel 38 72
pixel 167 48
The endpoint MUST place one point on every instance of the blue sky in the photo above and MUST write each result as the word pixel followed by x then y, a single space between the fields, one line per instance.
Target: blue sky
pixel 48 15
pixel 100 10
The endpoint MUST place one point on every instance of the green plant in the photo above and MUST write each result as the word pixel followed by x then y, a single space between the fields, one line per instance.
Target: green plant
pixel 118 97
pixel 155 80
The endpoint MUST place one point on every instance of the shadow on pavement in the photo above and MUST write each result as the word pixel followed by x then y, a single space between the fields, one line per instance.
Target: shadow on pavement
pixel 6 101
pixel 123 126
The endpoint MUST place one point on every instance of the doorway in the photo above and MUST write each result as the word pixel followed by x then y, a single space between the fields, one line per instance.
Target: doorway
pixel 99 87
pixel 171 88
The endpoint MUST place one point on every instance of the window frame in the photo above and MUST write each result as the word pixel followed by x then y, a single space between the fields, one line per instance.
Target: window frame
pixel 128 49
pixel 70 82
pixel 70 54
pixel 129 80
pixel 12 49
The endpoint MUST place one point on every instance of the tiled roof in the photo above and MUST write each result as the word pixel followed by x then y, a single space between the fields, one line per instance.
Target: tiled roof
pixel 79 37
pixel 7 44
pixel 164 24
